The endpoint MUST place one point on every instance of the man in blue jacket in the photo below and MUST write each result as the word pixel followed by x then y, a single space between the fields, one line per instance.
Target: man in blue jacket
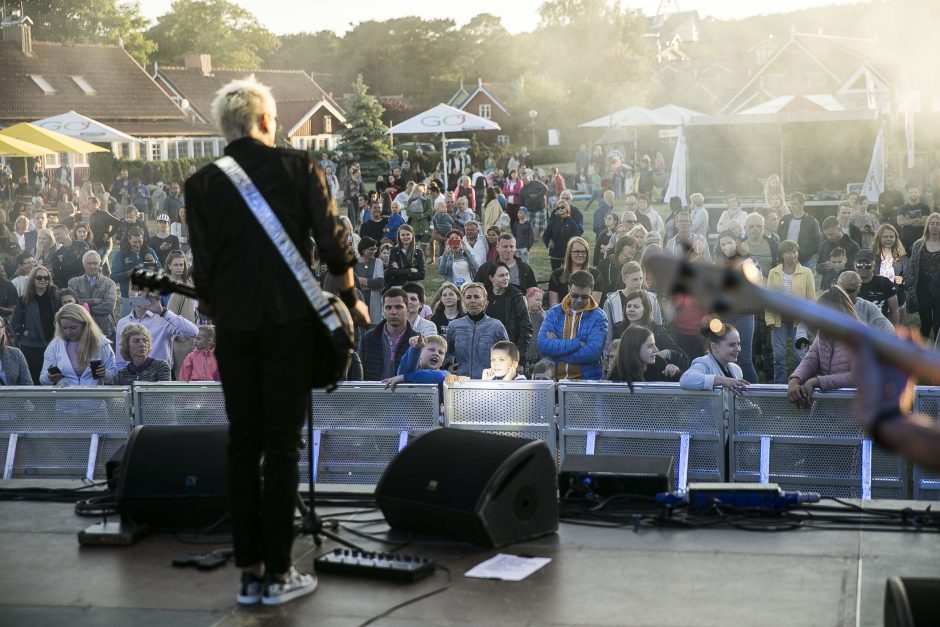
pixel 470 338
pixel 573 332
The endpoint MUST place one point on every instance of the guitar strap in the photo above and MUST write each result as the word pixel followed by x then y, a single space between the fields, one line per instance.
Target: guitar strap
pixel 282 242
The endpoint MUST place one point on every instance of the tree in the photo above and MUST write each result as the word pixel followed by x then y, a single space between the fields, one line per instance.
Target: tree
pixel 91 22
pixel 229 33
pixel 365 136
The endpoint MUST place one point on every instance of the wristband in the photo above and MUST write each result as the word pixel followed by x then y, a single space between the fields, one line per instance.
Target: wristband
pixel 874 429
pixel 348 297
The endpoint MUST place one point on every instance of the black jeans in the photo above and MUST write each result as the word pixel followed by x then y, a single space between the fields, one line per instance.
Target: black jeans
pixel 929 308
pixel 265 376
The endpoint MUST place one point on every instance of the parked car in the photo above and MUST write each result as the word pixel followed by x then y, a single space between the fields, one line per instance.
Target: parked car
pixel 412 146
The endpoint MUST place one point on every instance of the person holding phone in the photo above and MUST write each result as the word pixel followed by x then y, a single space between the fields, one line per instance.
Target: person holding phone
pixel 78 355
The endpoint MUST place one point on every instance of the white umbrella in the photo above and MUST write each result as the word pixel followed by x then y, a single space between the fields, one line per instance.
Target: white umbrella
pixel 677 177
pixel 443 119
pixel 81 127
pixel 84 128
pixel 631 116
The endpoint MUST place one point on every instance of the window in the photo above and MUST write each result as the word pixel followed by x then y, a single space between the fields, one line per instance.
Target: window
pixel 51 161
pixel 815 79
pixel 502 139
pixel 486 111
pixel 84 85
pixel 43 84
pixel 327 123
pixel 174 149
pixel 156 154
pixel 81 159
pixel 773 81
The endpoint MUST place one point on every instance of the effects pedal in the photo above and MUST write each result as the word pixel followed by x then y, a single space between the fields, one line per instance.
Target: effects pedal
pixel 377 565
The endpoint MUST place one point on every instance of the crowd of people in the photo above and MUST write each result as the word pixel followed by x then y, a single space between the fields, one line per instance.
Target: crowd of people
pixel 69 315
pixel 66 300
pixel 600 315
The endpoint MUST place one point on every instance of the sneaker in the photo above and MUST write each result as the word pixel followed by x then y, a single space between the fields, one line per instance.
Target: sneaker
pixel 296 585
pixel 252 587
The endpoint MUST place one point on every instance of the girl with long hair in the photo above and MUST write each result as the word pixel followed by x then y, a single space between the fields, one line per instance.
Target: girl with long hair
pixel 406 261
pixel 923 277
pixel 446 306
pixel 637 359
pixel 577 257
pixel 34 317
pixel 891 262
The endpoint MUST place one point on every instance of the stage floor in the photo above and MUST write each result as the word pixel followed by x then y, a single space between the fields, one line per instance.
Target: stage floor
pixel 596 577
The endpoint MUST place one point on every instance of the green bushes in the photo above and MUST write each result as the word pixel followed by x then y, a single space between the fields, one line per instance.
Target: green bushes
pixel 105 168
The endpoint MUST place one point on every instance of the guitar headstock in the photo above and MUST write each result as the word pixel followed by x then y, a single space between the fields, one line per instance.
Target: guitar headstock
pixel 154 281
pixel 718 290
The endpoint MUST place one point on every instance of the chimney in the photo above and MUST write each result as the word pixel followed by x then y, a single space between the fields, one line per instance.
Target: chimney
pixel 17 30
pixel 201 62
pixel 479 83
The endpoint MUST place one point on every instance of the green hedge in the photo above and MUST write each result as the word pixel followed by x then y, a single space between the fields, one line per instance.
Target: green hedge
pixel 105 168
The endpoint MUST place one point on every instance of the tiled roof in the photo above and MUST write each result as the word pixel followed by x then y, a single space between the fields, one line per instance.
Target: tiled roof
pixel 123 89
pixel 287 85
pixel 164 128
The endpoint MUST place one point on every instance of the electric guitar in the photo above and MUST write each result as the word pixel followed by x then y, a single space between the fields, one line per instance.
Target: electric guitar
pixel 725 291
pixel 332 358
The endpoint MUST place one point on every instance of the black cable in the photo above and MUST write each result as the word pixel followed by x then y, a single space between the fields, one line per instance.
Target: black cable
pixel 415 599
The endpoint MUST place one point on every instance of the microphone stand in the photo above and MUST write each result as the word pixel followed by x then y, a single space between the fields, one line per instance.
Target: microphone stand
pixel 311 524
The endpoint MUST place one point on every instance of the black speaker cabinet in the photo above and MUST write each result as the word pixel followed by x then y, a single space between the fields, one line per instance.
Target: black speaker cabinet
pixel 174 477
pixel 486 489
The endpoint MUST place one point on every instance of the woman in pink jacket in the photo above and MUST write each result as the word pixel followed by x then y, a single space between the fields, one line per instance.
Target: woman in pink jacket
pixel 200 365
pixel 512 187
pixel 828 364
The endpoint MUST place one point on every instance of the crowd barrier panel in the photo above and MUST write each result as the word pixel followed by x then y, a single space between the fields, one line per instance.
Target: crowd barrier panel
pixel 926 485
pixel 523 409
pixel 357 428
pixel 62 433
pixel 818 449
pixel 360 426
pixel 654 420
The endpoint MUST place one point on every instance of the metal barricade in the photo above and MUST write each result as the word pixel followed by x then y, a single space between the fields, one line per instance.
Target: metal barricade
pixel 62 433
pixel 655 420
pixel 176 403
pixel 360 426
pixel 926 485
pixel 523 409
pixel 819 449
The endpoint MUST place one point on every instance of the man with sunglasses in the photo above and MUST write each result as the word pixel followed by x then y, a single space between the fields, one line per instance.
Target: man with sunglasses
pixel 574 331
pixel 877 289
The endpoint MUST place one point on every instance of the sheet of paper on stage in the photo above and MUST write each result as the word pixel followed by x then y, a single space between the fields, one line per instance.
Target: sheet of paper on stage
pixel 507 567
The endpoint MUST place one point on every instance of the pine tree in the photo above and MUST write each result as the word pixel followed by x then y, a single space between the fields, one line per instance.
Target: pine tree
pixel 365 137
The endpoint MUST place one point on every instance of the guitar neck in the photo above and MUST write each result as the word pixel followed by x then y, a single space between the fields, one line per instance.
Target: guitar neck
pixel 729 292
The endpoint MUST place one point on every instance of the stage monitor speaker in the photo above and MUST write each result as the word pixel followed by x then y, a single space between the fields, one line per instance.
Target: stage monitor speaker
pixel 174 477
pixel 911 602
pixel 490 490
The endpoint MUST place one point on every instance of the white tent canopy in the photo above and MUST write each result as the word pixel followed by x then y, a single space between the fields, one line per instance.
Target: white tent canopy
pixel 666 115
pixel 443 119
pixel 81 127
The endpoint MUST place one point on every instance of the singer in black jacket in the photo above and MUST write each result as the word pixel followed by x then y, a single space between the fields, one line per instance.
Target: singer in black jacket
pixel 265 326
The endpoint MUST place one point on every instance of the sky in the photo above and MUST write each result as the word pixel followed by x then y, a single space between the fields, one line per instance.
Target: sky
pixel 291 16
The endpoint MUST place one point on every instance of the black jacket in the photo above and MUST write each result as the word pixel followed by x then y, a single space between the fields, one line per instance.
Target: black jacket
pixel 809 235
pixel 371 351
pixel 510 309
pixel 395 277
pixel 236 268
pixel 526 274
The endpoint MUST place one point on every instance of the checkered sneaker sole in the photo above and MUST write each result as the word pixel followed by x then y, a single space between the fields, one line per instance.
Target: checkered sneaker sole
pixel 297 585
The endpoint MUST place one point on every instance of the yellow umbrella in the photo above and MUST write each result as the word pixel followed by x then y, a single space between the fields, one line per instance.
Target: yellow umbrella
pixel 52 141
pixel 13 147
